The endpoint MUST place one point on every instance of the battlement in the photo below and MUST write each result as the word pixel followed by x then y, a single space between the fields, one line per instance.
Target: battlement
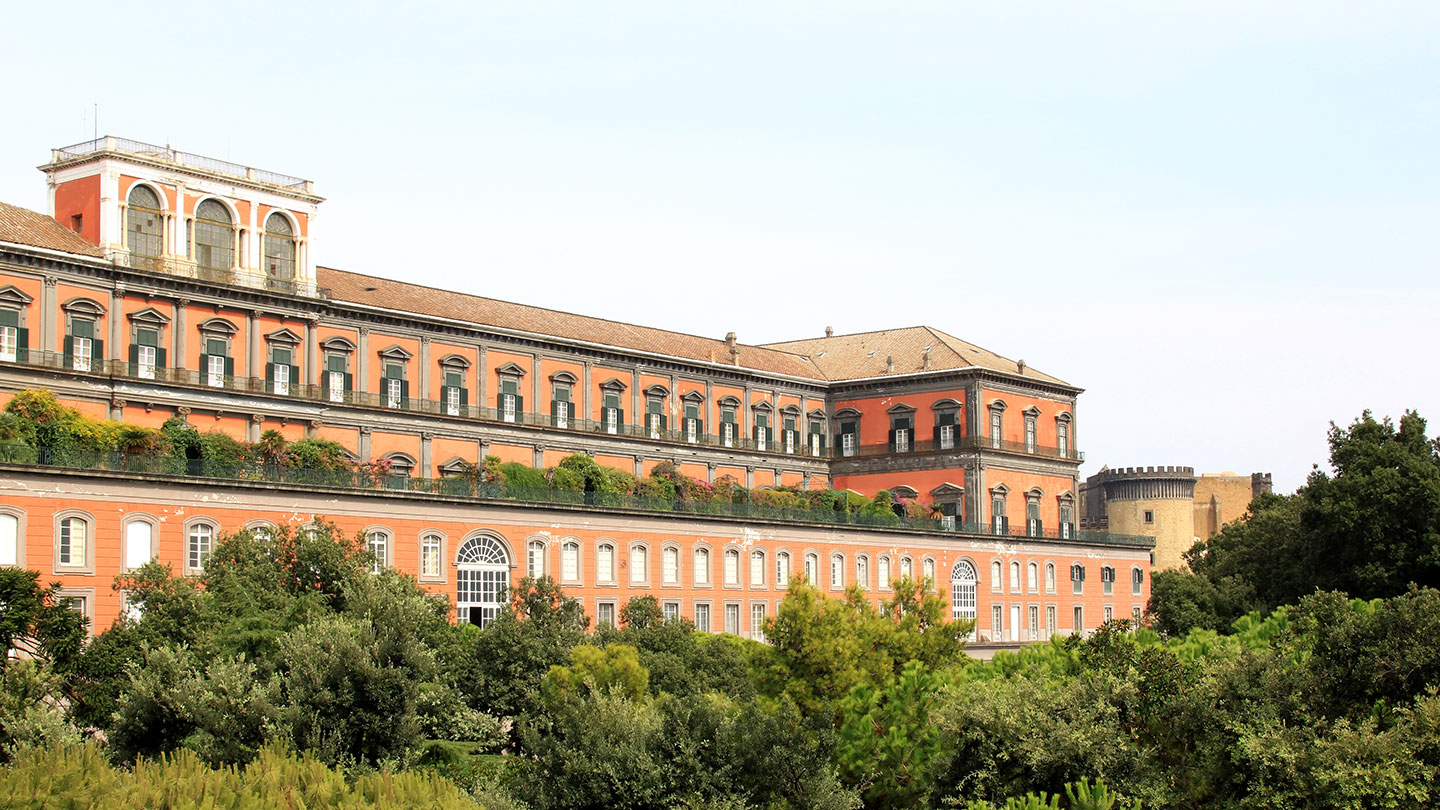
pixel 1145 472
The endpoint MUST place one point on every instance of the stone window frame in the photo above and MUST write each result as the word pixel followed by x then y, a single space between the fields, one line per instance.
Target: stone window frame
pixel 139 517
pixel 544 543
pixel 675 603
pixel 661 394
pixel 1017 576
pixel 420 538
pixel 189 524
pixel 454 467
pixel 86 310
pixel 286 340
pixel 725 552
pixel 21 527
pixel 730 403
pixel 453 363
pixel 841 417
pixel 765 573
pixel 1031 436
pixel 929 561
pixel 943 407
pixel 791 411
pixel 837 563
pixel 996 406
pixel 1035 497
pixel 149 318
pixel 765 409
pixel 163 210
pixel 1000 493
pixel 1032 576
pixel 16 300
pixel 695 551
pixel 630 548
pixel 579 578
pixel 808 556
pixel 1137 580
pixel 997 575
pixel 695 605
pixel 85 592
pixel 783 583
pixel 862 578
pixel 389 533
pixel 948 493
pixel 1051 574
pixel 617 387
pixel 897 412
pixel 697 399
pixel 757 633
pixel 679 581
pixel 1065 449
pixel 884 582
pixel 614 611
pixel 402 464
pixel 614 545
pixel 221 329
pixel 1065 501
pixel 816 416
pixel 293 237
pixel 86 566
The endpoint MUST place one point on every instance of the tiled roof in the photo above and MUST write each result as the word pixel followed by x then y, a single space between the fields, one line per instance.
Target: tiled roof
pixel 398 295
pixel 866 354
pixel 25 227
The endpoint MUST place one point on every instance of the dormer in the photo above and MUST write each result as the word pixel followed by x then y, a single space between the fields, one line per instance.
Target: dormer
pixel 156 208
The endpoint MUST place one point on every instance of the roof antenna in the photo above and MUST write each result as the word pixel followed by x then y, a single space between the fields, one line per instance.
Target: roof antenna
pixel 96 120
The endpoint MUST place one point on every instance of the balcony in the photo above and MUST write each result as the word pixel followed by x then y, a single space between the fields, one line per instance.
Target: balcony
pixel 152 151
pixel 82 462
pixel 55 361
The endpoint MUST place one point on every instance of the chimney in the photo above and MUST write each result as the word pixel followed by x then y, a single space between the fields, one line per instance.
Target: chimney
pixel 925 360
pixel 734 350
pixel 829 331
pixel 890 364
pixel 1021 366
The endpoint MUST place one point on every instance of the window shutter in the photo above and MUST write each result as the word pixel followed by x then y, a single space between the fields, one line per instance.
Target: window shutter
pixel 554 410
pixel 349 381
pixel 1005 524
pixel 619 416
pixel 294 376
pixel 699 428
pixel 134 356
pixel 664 422
pixel 229 366
pixel 519 407
pixel 1039 528
pixel 97 350
pixel 22 344
pixel 404 393
pixel 892 439
pixel 464 397
pixel 204 364
pixel 160 358
pixel 270 376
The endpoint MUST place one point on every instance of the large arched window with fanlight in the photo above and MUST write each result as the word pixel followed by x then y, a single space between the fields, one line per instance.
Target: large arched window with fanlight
pixel 143 227
pixel 279 248
pixel 962 590
pixel 482 577
pixel 214 237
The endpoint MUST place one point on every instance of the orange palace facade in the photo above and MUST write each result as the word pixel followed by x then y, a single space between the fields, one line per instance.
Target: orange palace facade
pixel 165 283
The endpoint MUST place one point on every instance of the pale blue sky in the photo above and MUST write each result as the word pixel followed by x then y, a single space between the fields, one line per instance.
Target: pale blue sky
pixel 1220 218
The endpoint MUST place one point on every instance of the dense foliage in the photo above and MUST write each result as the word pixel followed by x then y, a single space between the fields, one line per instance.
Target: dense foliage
pixel 288 641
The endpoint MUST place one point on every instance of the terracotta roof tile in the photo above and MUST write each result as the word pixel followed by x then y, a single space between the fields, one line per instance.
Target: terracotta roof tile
pixel 25 227
pixel 398 295
pixel 866 354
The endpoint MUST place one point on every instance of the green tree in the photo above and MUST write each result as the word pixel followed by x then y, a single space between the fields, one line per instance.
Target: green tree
pixel 534 632
pixel 35 619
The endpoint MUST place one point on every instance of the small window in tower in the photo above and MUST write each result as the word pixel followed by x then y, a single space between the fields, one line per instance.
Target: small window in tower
pixel 1149 516
pixel 77 222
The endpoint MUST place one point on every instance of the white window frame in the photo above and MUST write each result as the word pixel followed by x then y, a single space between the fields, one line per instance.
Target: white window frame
pixel 605 563
pixel 80 358
pixel 670 565
pixel 902 440
pixel 947 437
pixel 392 392
pixel 377 543
pixel 732 567
pixel 431 553
pixel 507 408
pixel 131 558
pixel 837 572
pixel 639 564
pixel 701 613
pixel 535 559
pixel 654 424
pixel 701 566
pixel 757 621
pixel 732 618
pixel 612 420
pixel 452 401
pixel 847 444
pixel 790 442
pixel 815 445
pixel 570 561
pixel 215 371
pixel 146 358
pixel 199 543
pixel 562 415
pixel 9 344
pixel 782 569
pixel 757 568
pixel 337 385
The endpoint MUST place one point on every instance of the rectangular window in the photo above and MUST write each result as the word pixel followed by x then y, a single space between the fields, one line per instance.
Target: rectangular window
pixel 847 444
pixel 1034 622
pixel 997 623
pixel 138 543
pixel 762 431
pixel 392 393
pixel 1109 614
pixel 1049 620
pixel 757 621
pixel 562 415
pixel 1137 582
pixel 1029 434
pixel 997 424
pixel 509 400
pixel 702 617
pixel 80 360
pixel 1062 439
pixel 790 442
pixel 337 385
pixel 757 569
pixel 611 411
pixel 815 444
pixel 1149 516
pixel 9 540
pixel 1079 620
pixel 217 362
pixel 605 614
pixel 280 371
pixel 947 437
pixel 452 401
pixel 453 392
pixel 654 417
pixel 727 428
pixel 84 349
pixel 430 556
pixel 902 440
pixel 146 353
pixel 732 619
pixel 9 335
pixel 199 546
pixel 1077 578
pixel 672 611
pixel 1135 613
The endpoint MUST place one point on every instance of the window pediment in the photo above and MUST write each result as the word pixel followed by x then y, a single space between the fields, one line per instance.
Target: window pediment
pixel 693 396
pixel 455 361
pixel 846 413
pixel 904 491
pixel 948 490
pixel 337 344
pixel 763 406
pixel 83 306
pixel 510 370
pixel 791 410
pixel 657 391
pixel 149 317
pixel 455 466
pixel 1063 416
pixel 945 405
pixel 564 377
pixel 396 352
pixel 1035 494
pixel 14 296
pixel 283 337
pixel 1031 411
pixel 900 408
pixel 729 401
pixel 1000 489
pixel 613 384
pixel 218 326
pixel 817 413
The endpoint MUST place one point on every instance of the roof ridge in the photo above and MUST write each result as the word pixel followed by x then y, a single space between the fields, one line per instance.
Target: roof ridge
pixel 847 334
pixel 551 309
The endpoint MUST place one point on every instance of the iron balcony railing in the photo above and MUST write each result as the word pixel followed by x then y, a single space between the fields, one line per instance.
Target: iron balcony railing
pixel 458 487
pixel 209 164
pixel 774 446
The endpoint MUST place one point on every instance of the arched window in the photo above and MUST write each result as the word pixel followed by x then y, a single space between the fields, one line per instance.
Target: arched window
pixel 907 568
pixel 639 565
pixel 197 546
pixel 997 575
pixel 74 538
pixel 143 227
pixel 9 540
pixel 883 573
pixel 702 566
pixel 1032 577
pixel 279 247
pixel 757 568
pixel 782 569
pixel 535 559
pixel 378 542
pixel 927 569
pixel 139 543
pixel 732 566
pixel 605 563
pixel 1014 576
pixel 962 591
pixel 214 237
pixel 481 580
pixel 837 571
pixel 670 565
pixel 812 569
pixel 430 546
pixel 1137 581
pixel 570 561
pixel 1049 577
pixel 862 570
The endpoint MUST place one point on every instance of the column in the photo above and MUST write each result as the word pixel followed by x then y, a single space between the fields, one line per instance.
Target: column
pixel 312 353
pixel 363 451
pixel 636 409
pixel 427 455
pixel 747 420
pixel 424 376
pixel 49 314
pixel 711 415
pixel 535 385
pixel 177 334
pixel 675 402
pixel 749 476
pixel 252 355
pixel 710 472
pixel 480 400
pixel 537 457
pixel 257 421
pixel 585 385
pixel 362 366
pixel 117 303
pixel 639 465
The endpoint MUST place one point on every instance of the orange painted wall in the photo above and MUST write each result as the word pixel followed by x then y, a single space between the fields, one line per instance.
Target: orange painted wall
pixel 549 368
pixel 509 452
pixel 437 376
pixel 80 196
pixel 383 444
pixel 1014 424
pixel 442 450
pixel 875 422
pixel 68 292
pixel 380 342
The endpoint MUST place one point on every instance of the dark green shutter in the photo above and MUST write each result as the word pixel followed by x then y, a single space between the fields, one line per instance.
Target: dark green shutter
pixel 404 393
pixel 229 366
pixel 464 397
pixel 134 357
pixel 349 381
pixel 22 345
pixel 519 408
